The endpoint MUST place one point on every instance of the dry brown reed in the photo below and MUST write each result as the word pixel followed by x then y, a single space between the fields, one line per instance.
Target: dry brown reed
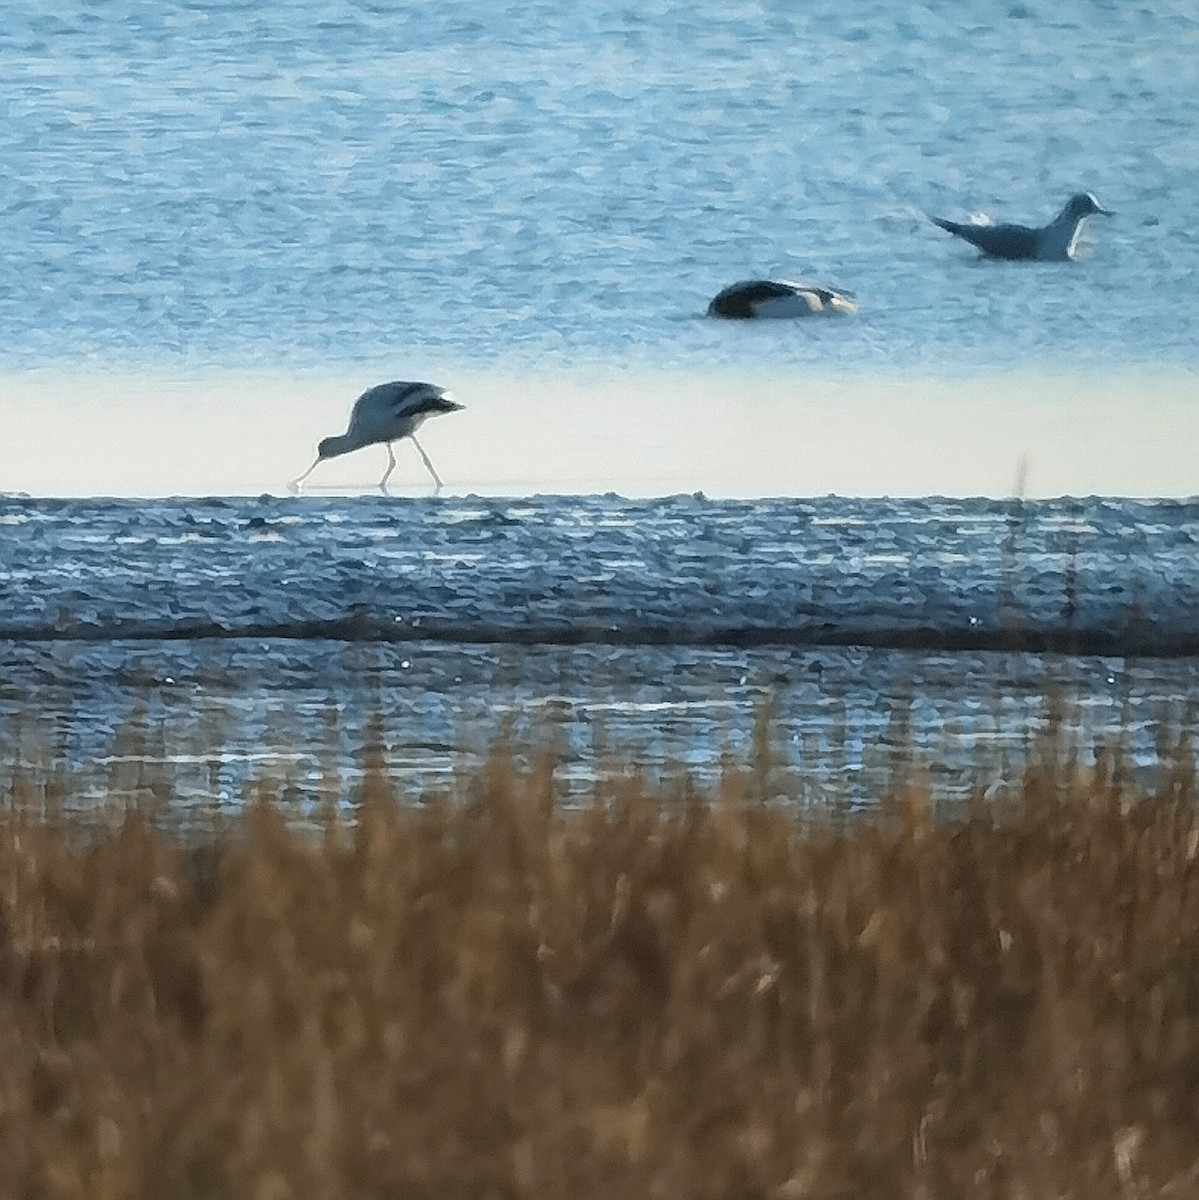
pixel 661 995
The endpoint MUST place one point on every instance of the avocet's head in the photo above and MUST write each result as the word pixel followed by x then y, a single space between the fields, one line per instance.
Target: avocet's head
pixel 330 447
pixel 1084 204
pixel 445 403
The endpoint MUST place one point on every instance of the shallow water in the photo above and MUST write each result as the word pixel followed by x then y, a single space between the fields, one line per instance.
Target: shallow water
pixel 846 724
pixel 1112 576
pixel 238 638
pixel 751 433
pixel 223 221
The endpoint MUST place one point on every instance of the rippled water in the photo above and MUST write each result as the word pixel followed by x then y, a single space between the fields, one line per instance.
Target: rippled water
pixel 1109 576
pixel 235 638
pixel 845 722
pixel 265 182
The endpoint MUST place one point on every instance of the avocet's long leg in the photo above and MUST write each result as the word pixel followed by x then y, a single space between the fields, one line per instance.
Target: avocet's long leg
pixel 391 466
pixel 425 459
pixel 294 486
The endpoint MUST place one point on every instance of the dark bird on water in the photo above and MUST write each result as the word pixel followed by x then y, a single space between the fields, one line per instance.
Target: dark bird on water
pixel 386 413
pixel 1055 241
pixel 762 298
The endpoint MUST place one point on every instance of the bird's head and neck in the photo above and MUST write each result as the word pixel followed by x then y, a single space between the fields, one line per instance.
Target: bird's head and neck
pixel 1081 205
pixel 443 404
pixel 1064 231
pixel 331 447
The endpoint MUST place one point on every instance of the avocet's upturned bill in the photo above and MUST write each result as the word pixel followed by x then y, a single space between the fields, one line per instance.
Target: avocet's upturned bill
pixel 777 298
pixel 386 413
pixel 1053 242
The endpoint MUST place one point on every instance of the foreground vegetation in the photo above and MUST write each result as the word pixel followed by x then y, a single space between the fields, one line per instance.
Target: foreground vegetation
pixel 662 995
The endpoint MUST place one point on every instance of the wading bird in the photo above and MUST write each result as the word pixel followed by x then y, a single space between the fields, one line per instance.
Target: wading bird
pixel 1055 241
pixel 761 298
pixel 386 413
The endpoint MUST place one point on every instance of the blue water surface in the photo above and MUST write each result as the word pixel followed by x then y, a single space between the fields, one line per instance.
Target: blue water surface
pixel 273 182
pixel 192 189
pixel 1087 575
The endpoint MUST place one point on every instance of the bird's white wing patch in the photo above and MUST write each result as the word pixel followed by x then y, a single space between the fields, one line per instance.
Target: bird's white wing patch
pixel 800 304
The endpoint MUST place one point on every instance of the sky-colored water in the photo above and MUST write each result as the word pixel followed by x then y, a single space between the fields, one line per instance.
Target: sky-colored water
pixel 224 220
pixel 729 432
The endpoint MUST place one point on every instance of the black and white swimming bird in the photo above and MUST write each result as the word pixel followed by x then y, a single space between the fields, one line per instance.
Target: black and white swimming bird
pixel 761 298
pixel 386 413
pixel 1055 241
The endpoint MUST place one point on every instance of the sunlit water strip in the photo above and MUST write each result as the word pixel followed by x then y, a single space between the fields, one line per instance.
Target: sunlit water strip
pixel 100 723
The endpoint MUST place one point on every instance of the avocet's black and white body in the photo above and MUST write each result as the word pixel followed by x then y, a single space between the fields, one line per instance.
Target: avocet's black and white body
pixel 757 299
pixel 386 413
pixel 1053 242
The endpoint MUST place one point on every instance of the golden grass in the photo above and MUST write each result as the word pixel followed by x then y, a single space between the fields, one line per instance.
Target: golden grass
pixel 662 995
